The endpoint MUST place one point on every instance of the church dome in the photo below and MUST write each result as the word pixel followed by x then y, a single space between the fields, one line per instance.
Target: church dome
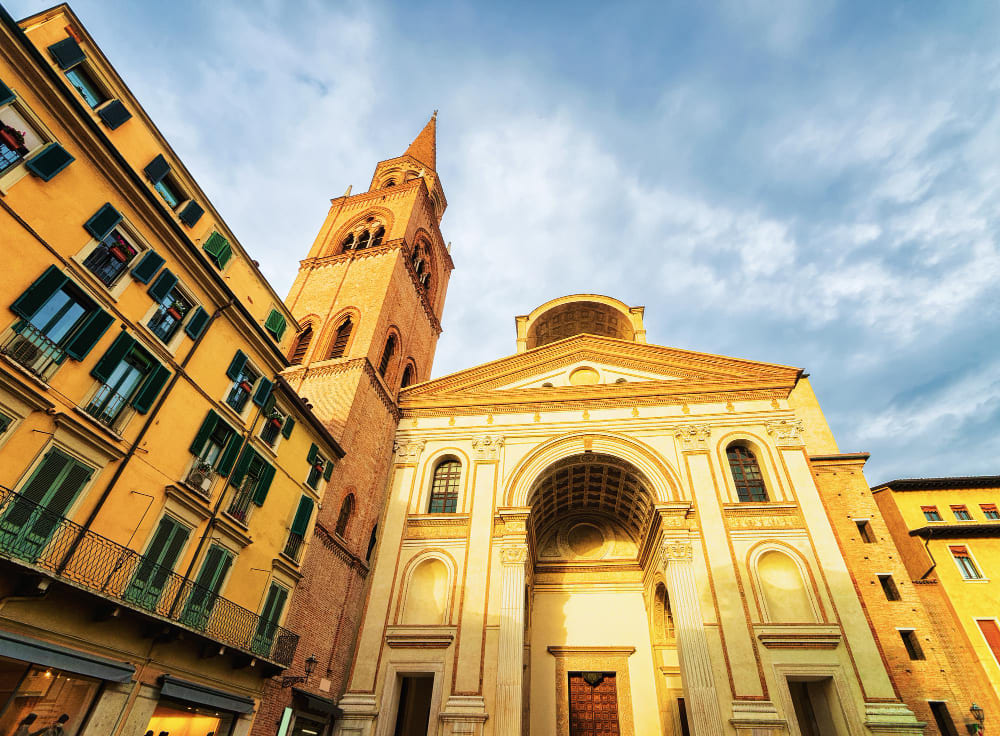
pixel 579 314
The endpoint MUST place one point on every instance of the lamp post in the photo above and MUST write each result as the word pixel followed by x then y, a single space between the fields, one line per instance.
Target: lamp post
pixel 980 715
pixel 310 665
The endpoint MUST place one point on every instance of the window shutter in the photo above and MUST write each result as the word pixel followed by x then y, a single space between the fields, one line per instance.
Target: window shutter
pixel 39 292
pixel 67 53
pixel 6 95
pixel 148 267
pixel 86 338
pixel 241 466
pixel 151 388
pixel 38 486
pixel 112 357
pixel 162 286
pixel 157 169
pixel 236 365
pixel 228 457
pixel 103 221
pixel 60 500
pixel 275 324
pixel 286 428
pixel 191 213
pixel 263 485
pixel 53 159
pixel 263 392
pixel 273 605
pixel 196 325
pixel 220 250
pixel 328 470
pixel 114 114
pixel 206 428
pixel 313 452
pixel 302 515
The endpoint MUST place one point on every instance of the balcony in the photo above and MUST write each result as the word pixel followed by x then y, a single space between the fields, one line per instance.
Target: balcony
pixel 33 537
pixel 200 478
pixel 293 546
pixel 32 350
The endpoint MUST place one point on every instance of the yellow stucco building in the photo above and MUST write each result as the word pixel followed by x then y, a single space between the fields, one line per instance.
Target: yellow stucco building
pixel 948 530
pixel 158 478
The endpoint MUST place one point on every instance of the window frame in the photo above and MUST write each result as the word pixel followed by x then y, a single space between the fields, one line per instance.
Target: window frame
pixel 268 416
pixel 244 408
pixel 94 78
pixel 990 511
pixel 178 332
pixel 754 454
pixel 929 511
pixel 960 510
pixel 450 491
pixel 126 411
pixel 13 174
pixel 973 564
pixel 128 232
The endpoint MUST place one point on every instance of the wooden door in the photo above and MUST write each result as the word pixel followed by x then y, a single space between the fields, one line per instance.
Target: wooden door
pixel 593 704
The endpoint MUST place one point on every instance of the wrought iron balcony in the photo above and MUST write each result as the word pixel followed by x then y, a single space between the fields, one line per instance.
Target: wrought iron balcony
pixel 33 536
pixel 32 349
pixel 293 546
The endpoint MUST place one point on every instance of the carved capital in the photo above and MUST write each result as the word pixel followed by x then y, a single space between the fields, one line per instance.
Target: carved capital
pixel 514 554
pixel 487 447
pixel 408 451
pixel 675 551
pixel 786 432
pixel 693 436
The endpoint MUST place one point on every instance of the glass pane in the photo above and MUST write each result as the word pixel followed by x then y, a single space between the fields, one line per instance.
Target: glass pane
pixel 182 719
pixel 88 90
pixel 168 193
pixel 44 698
pixel 10 116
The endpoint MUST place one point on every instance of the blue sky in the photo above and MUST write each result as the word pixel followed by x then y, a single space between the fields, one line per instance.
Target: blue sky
pixel 809 183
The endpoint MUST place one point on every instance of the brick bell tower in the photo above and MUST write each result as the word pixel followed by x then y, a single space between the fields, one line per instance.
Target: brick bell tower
pixel 369 298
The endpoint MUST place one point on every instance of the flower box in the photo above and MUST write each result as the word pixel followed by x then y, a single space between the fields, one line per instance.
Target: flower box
pixel 118 254
pixel 275 422
pixel 246 386
pixel 318 467
pixel 11 137
pixel 174 312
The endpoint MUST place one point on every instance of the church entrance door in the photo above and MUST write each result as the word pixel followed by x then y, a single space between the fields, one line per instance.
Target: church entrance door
pixel 593 704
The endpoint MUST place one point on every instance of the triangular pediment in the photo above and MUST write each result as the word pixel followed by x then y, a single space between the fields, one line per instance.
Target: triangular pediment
pixel 591 366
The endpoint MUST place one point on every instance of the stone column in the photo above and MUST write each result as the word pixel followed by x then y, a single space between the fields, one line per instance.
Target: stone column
pixel 510 660
pixel 697 676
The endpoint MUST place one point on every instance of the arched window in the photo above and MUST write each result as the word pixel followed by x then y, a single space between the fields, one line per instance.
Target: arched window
pixel 390 348
pixel 341 338
pixel 389 183
pixel 371 543
pixel 301 346
pixel 377 237
pixel 663 618
pixel 348 243
pixel 363 239
pixel 346 510
pixel 444 488
pixel 427 594
pixel 746 474
pixel 408 373
pixel 783 590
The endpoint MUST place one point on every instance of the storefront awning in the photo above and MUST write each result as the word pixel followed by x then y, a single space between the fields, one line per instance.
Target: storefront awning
pixel 314 703
pixel 192 692
pixel 46 653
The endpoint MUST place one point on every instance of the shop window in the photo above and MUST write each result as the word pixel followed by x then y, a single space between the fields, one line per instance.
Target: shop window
pixel 931 513
pixel 444 487
pixel 177 718
pixel 43 700
pixel 990 511
pixel 966 565
pixel 746 474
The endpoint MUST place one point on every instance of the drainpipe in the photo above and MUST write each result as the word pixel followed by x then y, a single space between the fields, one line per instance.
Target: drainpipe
pixel 138 440
pixel 927 549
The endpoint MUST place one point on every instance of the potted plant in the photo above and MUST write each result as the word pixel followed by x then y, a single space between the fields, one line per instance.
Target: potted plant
pixel 12 137
pixel 275 419
pixel 318 466
pixel 176 309
pixel 246 385
pixel 120 250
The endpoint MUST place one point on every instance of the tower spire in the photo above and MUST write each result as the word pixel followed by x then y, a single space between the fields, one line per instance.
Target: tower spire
pixel 424 146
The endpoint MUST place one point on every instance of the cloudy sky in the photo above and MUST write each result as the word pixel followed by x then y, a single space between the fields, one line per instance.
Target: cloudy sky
pixel 797 181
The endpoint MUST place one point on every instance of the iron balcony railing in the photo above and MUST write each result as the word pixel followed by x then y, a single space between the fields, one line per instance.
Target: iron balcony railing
pixel 32 349
pixel 293 546
pixel 31 534
pixel 106 406
pixel 242 502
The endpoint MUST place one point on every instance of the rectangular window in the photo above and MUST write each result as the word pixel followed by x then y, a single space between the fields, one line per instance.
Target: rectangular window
pixel 170 192
pixel 865 530
pixel 297 532
pixel 889 587
pixel 911 643
pixel 961 513
pixel 18 137
pixel 214 448
pixel 85 84
pixel 242 388
pixel 990 511
pixel 931 513
pixel 156 566
pixel 48 692
pixel 170 314
pixel 205 591
pixel 943 718
pixel 120 388
pixel 966 565
pixel 991 632
pixel 251 480
pixel 272 427
pixel 267 626
pixel 5 422
pixel 319 467
pixel 111 258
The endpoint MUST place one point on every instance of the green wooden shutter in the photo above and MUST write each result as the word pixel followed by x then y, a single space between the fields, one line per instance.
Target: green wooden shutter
pixel 313 452
pixel 302 515
pixel 214 569
pixel 6 95
pixel 196 325
pixel 191 213
pixel 162 286
pixel 44 477
pixel 228 456
pixel 61 498
pixel 148 267
pixel 286 428
pixel 114 114
pixel 157 169
pixel 263 392
pixel 86 337
pixel 241 466
pixel 39 292
pixel 275 324
pixel 236 365
pixel 151 388
pixel 206 428
pixel 220 250
pixel 52 159
pixel 103 221
pixel 328 470
pixel 274 604
pixel 104 367
pixel 263 485
pixel 67 53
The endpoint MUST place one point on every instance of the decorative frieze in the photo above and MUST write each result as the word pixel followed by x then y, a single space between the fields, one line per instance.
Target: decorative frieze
pixel 451 526
pixel 675 551
pixel 786 432
pixel 408 451
pixel 693 436
pixel 486 447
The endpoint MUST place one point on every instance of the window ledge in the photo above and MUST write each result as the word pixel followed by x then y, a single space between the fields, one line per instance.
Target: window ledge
pixel 100 425
pixel 233 414
pixel 39 382
pixel 170 347
pixel 975 580
pixel 289 560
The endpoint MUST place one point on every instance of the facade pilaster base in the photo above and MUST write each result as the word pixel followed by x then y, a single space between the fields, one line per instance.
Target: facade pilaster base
pixel 892 719
pixel 757 718
pixel 358 713
pixel 463 715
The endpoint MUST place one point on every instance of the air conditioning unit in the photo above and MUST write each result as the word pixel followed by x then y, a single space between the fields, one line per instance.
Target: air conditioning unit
pixel 201 477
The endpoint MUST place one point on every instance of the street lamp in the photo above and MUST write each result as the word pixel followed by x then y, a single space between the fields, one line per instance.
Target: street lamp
pixel 980 715
pixel 310 665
